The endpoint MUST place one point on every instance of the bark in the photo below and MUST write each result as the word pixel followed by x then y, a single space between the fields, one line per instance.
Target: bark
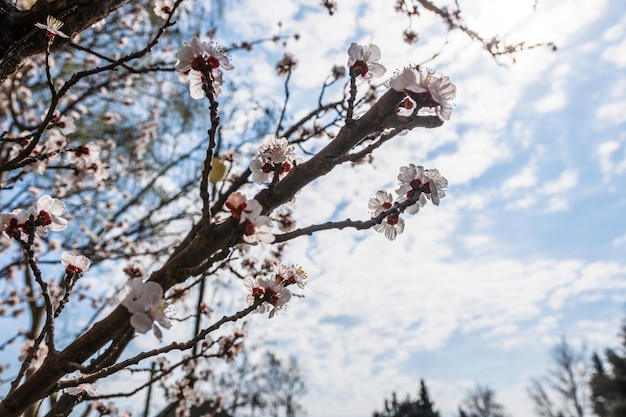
pixel 20 39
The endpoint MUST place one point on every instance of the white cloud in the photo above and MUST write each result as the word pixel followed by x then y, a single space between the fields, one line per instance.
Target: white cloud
pixel 612 112
pixel 372 305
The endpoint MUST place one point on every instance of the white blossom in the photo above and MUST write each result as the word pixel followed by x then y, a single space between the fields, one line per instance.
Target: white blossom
pixel 145 301
pixel 440 91
pixel 52 27
pixel 363 61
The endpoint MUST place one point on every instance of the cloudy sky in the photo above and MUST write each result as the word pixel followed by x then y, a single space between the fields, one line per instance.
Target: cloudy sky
pixel 530 241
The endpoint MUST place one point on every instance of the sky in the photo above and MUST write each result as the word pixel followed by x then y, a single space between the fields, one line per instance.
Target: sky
pixel 529 243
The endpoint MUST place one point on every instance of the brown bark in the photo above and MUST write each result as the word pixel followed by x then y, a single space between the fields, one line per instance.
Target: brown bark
pixel 20 39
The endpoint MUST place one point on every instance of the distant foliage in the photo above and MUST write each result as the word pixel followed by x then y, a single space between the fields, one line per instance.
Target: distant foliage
pixel 608 387
pixel 422 406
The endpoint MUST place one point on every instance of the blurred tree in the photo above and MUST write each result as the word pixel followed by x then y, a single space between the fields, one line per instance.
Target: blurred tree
pixel 270 387
pixel 564 391
pixel 608 389
pixel 481 402
pixel 422 406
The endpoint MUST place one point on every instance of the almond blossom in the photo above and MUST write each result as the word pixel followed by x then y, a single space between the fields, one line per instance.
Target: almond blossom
pixel 46 217
pixel 145 301
pixel 391 226
pixel 381 202
pixel 13 223
pixel 65 123
pixel 163 8
pixel 274 294
pixel 289 275
pixel 439 91
pixel 49 213
pixel 415 179
pixel 200 60
pixel 257 228
pixel 363 61
pixel 52 27
pixel 275 156
pixel 75 263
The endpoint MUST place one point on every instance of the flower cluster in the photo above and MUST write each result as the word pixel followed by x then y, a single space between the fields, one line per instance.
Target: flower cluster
pixel 231 346
pixel 425 183
pixel 202 60
pixel 183 394
pixel 144 300
pixel 391 225
pixel 416 185
pixel 275 159
pixel 86 159
pixel 46 217
pixel 272 289
pixel 363 61
pixel 257 228
pixel 426 89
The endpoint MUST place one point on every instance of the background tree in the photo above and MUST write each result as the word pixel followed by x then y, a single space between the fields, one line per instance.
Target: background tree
pixel 608 387
pixel 422 406
pixel 564 392
pixel 481 402
pixel 266 387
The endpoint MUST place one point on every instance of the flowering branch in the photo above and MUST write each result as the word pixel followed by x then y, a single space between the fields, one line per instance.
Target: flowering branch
pixel 397 208
pixel 109 370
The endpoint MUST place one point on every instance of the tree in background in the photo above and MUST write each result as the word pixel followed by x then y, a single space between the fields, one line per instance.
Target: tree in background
pixel 268 387
pixel 481 402
pixel 608 388
pixel 144 185
pixel 422 406
pixel 564 392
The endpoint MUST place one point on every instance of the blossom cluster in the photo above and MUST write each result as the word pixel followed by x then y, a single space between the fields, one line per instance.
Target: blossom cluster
pixel 85 159
pixel 416 185
pixel 46 217
pixel 275 159
pixel 257 228
pixel 425 88
pixel 273 288
pixel 202 61
pixel 144 300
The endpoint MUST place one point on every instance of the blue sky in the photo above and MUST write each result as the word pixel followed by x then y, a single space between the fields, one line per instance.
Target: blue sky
pixel 529 242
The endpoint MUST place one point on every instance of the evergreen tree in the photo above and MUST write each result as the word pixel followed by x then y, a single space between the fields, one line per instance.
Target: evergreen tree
pixel 608 389
pixel 420 407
